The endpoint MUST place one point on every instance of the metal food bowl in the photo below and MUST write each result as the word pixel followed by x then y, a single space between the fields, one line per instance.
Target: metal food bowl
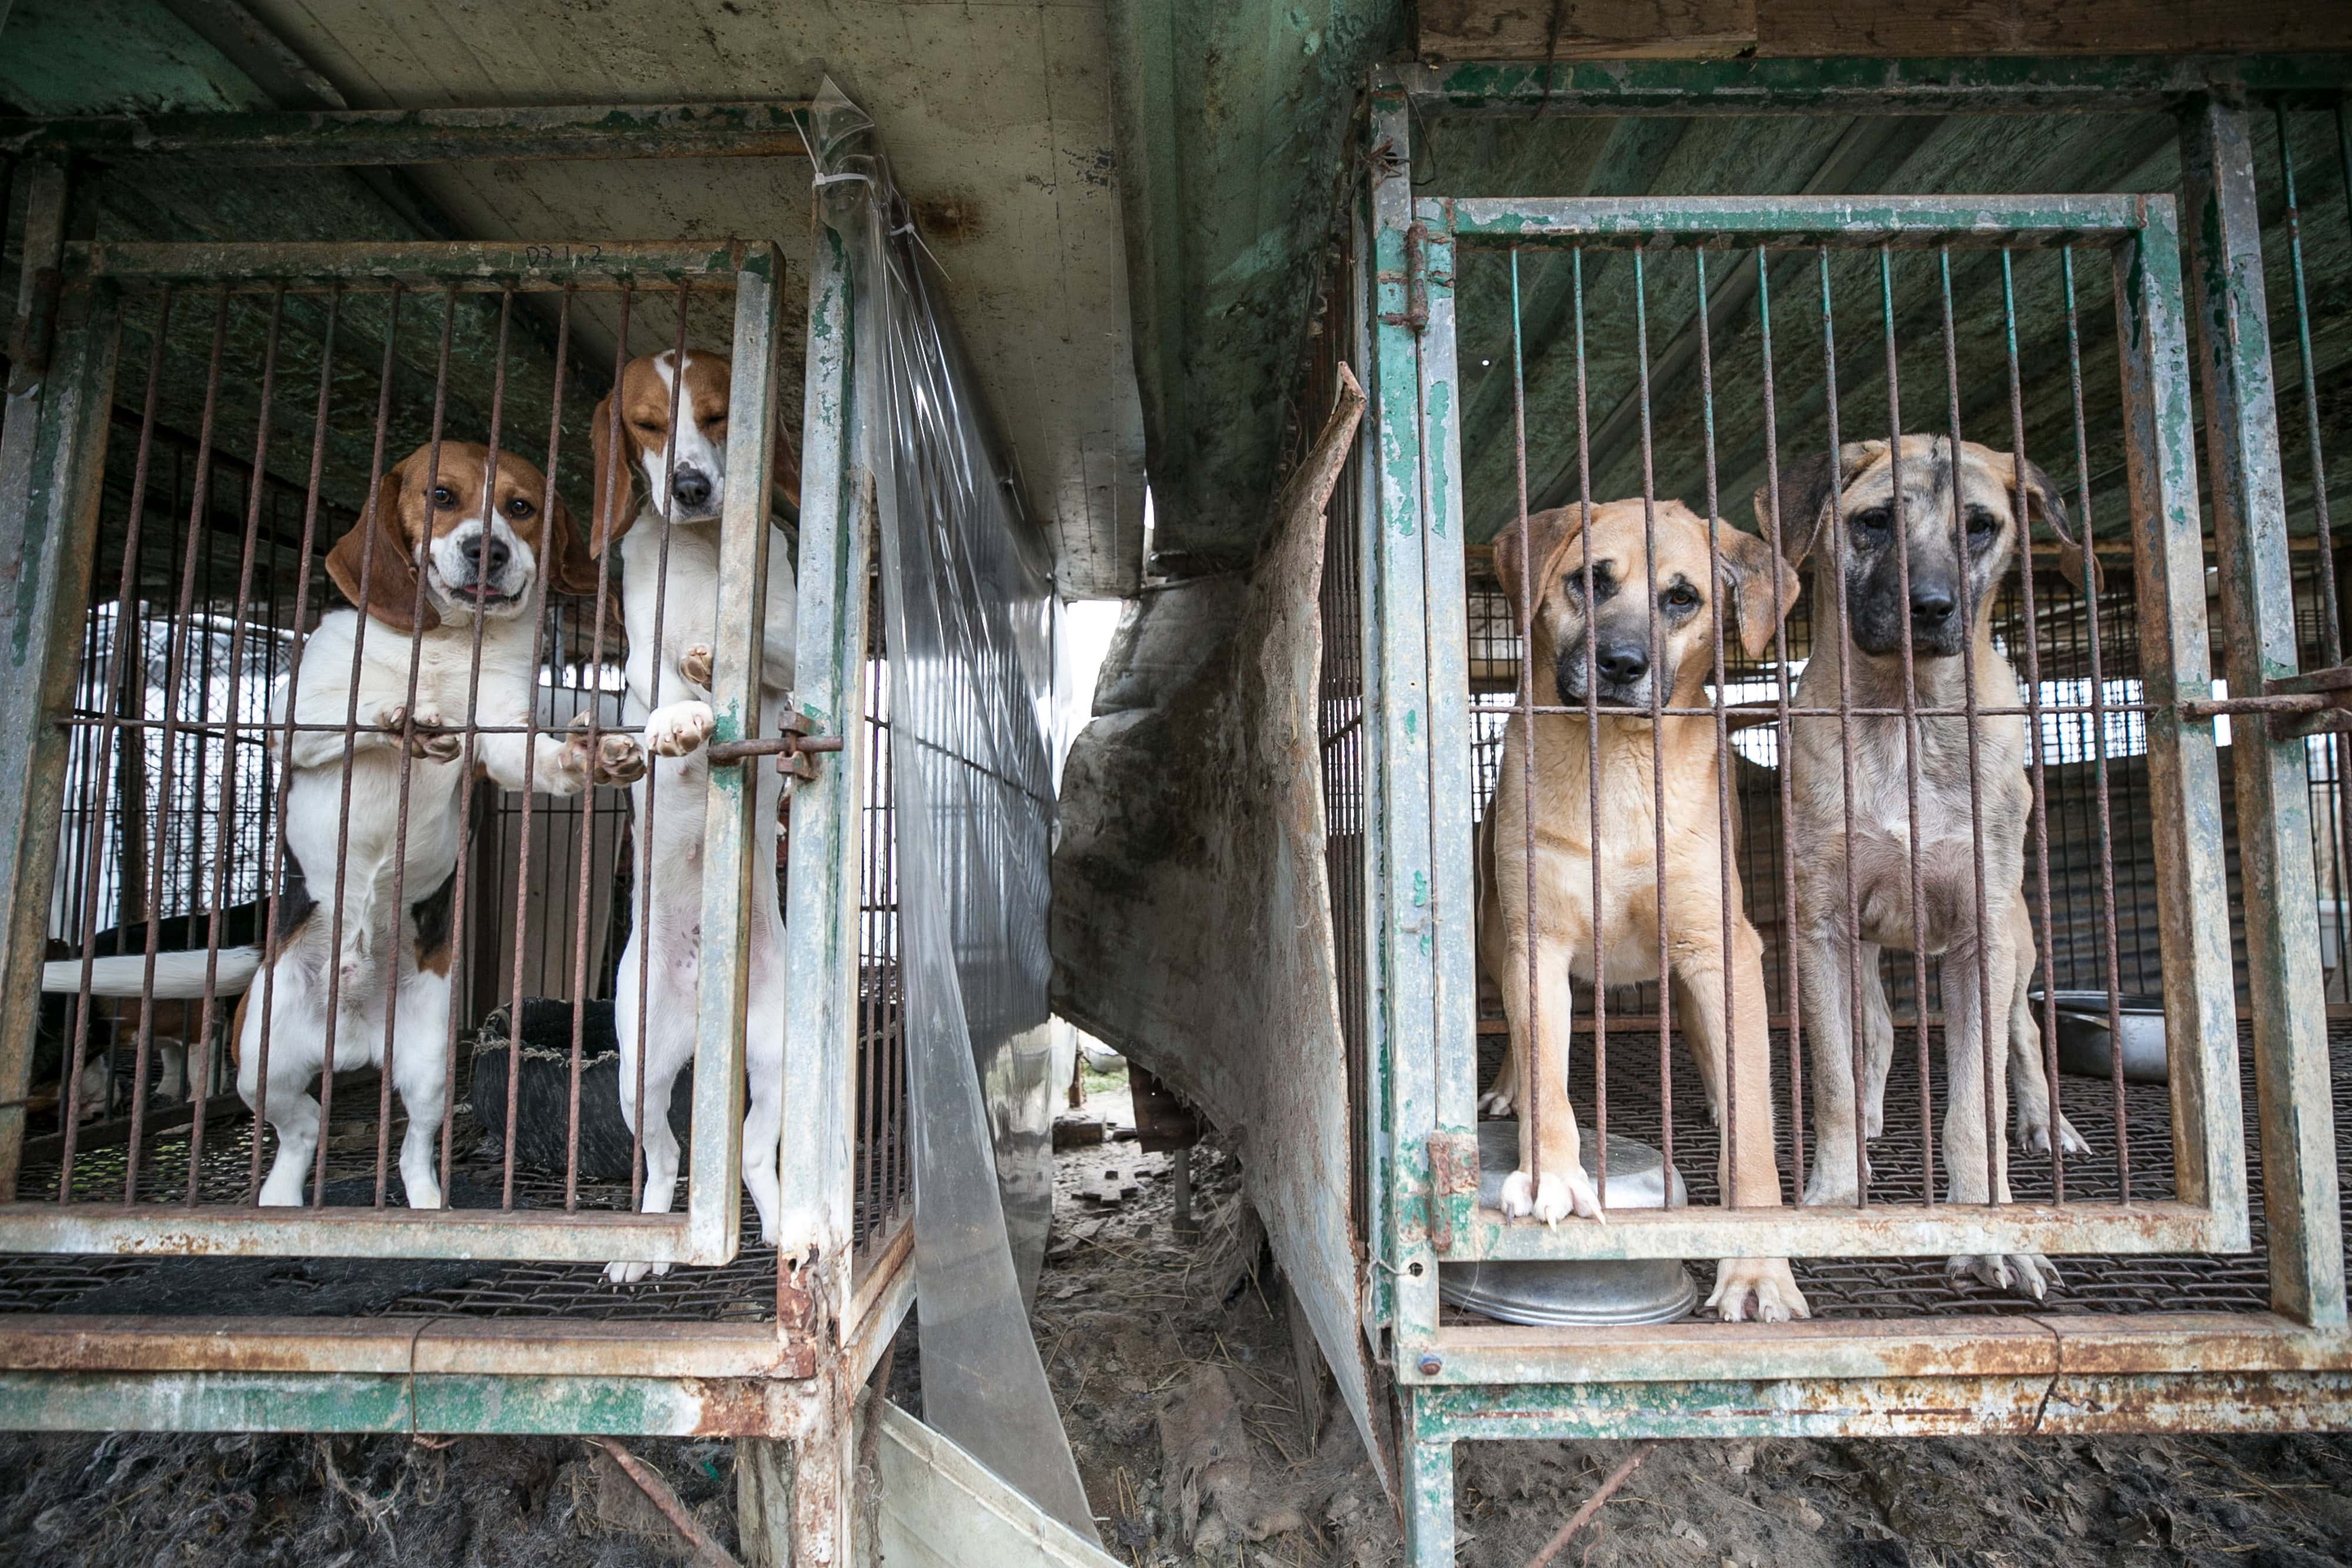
pixel 1580 1295
pixel 2084 1047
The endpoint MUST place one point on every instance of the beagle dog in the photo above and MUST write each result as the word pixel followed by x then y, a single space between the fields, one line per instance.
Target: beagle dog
pixel 449 549
pixel 661 488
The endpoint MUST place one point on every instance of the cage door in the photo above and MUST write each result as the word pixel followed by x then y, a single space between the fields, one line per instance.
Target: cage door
pixel 1688 253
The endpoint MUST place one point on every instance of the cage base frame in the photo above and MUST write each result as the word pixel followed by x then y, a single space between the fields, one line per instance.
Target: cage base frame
pixel 445 1374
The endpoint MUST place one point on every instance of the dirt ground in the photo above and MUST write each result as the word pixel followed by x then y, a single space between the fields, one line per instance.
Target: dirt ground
pixel 1171 1357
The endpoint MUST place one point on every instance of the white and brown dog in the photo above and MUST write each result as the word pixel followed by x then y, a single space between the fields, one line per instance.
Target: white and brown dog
pixel 448 549
pixel 661 488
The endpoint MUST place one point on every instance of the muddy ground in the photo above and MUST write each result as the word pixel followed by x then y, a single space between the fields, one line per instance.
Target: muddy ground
pixel 1172 1357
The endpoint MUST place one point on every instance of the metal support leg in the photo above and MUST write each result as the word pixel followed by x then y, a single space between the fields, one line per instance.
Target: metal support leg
pixel 52 462
pixel 1428 1491
pixel 2258 624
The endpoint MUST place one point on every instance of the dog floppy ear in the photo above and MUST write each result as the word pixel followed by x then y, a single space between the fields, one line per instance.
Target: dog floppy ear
pixel 2042 504
pixel 1552 532
pixel 1806 486
pixel 613 506
pixel 572 569
pixel 375 565
pixel 1763 586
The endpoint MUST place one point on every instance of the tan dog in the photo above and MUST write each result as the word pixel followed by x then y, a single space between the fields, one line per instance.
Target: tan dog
pixel 1613 647
pixel 1847 518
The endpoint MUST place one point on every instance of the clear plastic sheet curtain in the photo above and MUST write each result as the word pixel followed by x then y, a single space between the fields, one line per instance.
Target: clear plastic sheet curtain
pixel 968 613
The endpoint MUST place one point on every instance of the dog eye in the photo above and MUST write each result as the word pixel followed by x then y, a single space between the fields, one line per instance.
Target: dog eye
pixel 1681 596
pixel 1872 524
pixel 1982 524
pixel 518 507
pixel 443 496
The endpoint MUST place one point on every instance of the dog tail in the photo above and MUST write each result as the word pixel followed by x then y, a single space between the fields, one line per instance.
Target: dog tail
pixel 177 975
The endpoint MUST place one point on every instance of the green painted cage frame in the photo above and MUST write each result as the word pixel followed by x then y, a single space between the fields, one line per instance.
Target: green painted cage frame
pixel 2198 329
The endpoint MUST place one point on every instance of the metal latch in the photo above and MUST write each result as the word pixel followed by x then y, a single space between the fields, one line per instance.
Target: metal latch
pixel 791 749
pixel 2316 702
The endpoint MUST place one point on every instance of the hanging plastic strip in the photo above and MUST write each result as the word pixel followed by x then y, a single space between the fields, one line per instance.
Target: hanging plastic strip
pixel 967 601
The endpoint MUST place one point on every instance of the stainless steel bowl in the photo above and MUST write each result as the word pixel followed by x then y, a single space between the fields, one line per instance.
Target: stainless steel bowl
pixel 1644 1290
pixel 2084 1047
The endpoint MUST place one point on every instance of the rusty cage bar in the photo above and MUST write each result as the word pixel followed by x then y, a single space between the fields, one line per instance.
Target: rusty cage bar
pixel 2178 817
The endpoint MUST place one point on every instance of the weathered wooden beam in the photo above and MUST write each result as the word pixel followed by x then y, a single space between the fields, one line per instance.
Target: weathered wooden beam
pixel 287 138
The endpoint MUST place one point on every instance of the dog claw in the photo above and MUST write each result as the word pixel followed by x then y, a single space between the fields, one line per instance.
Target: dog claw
pixel 678 730
pixel 426 740
pixel 1551 1199
pixel 694 664
pixel 1768 1281
pixel 618 758
pixel 630 1273
pixel 2018 1273
pixel 1493 1105
pixel 2034 1137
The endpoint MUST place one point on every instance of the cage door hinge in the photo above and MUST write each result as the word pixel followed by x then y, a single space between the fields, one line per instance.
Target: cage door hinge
pixel 1414 317
pixel 791 749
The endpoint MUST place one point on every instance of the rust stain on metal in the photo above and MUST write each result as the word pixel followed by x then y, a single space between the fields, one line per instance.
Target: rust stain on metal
pixel 736 1407
pixel 1453 1173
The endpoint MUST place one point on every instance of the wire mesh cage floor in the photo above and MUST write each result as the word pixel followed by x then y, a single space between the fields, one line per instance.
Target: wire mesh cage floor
pixel 1881 1288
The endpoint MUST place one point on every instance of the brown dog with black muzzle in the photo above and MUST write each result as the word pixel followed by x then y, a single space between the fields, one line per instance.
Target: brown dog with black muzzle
pixel 1646 629
pixel 1916 557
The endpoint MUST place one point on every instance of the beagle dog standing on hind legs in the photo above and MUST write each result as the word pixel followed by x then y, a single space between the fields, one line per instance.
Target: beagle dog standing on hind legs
pixel 454 552
pixel 661 488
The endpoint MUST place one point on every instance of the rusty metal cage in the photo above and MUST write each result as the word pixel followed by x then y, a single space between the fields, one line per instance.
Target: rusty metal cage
pixel 2181 826
pixel 191 432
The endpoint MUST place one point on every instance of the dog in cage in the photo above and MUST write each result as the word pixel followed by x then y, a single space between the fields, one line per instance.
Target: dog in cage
pixel 661 490
pixel 1623 603
pixel 380 719
pixel 1909 543
pixel 166 1015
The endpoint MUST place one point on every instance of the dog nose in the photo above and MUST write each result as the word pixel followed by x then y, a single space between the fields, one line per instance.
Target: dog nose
pixel 1624 662
pixel 1931 605
pixel 490 556
pixel 690 487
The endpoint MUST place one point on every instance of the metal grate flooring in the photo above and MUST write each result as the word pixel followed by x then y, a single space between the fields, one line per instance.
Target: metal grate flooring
pixel 1914 1287
pixel 742 1290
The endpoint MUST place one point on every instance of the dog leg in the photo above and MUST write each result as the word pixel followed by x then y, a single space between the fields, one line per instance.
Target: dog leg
pixel 1750 1173
pixel 293 1062
pixel 1710 1067
pixel 668 1044
pixel 2029 1074
pixel 1877 1042
pixel 1502 1096
pixel 171 1071
pixel 420 1072
pixel 1550 1183
pixel 1823 973
pixel 1977 1167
